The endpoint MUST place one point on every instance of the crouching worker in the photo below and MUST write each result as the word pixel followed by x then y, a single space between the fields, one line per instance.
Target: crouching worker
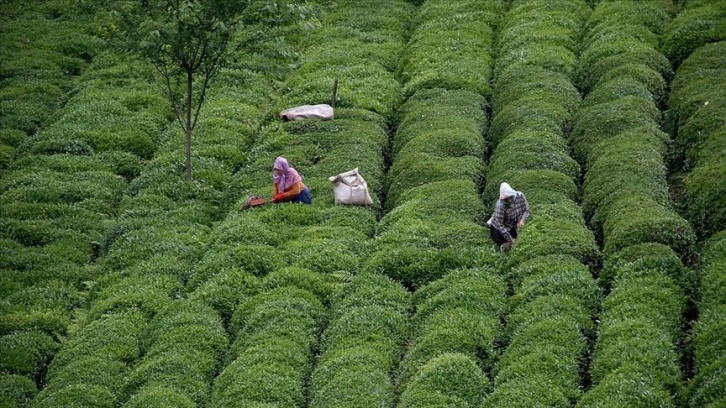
pixel 288 184
pixel 510 213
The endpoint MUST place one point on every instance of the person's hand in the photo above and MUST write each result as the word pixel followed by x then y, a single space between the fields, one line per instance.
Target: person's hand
pixel 277 198
pixel 520 225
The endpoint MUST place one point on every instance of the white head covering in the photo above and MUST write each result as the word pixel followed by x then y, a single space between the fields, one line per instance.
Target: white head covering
pixel 505 190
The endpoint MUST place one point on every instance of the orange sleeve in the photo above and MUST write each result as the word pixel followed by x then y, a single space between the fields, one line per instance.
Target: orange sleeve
pixel 294 190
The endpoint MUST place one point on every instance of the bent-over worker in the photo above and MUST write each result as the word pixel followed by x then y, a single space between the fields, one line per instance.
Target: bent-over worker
pixel 510 213
pixel 288 185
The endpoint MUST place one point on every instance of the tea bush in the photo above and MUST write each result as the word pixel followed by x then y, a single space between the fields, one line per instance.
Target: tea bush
pixel 78 395
pixel 26 353
pixel 301 278
pixel 99 371
pixel 185 325
pixel 640 220
pixel 148 294
pixel 635 361
pixel 573 238
pixel 284 318
pixel 159 396
pixel 631 161
pixel 353 377
pixel 550 350
pixel 459 313
pixel 438 57
pixel 527 391
pixel 647 257
pixel 554 296
pixel 628 386
pixel 697 106
pixel 706 386
pixel 37 69
pixel 448 380
pixel 665 305
pixel 356 346
pixel 185 242
pixel 531 150
pixel 225 291
pixel 639 345
pixel 16 390
pixel 699 23
pixel 543 308
pixel 188 371
pixel 597 124
pixel 112 336
pixel 555 275
pixel 45 306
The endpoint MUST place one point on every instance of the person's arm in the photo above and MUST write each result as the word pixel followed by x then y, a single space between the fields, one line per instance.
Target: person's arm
pixel 525 211
pixel 291 192
pixel 498 221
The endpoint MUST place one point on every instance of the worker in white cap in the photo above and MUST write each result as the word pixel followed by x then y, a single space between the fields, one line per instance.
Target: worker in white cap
pixel 510 213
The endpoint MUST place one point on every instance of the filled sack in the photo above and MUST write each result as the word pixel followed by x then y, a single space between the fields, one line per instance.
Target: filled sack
pixel 350 188
pixel 320 112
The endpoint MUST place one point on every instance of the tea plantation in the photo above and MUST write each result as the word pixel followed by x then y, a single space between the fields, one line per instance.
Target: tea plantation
pixel 124 285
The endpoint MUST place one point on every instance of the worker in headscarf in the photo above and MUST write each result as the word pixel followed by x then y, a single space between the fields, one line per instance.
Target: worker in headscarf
pixel 288 185
pixel 510 213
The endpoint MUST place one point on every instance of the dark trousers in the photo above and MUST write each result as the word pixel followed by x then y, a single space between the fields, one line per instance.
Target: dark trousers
pixel 499 238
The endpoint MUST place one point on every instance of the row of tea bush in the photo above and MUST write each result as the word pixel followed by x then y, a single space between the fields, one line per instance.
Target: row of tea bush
pixel 430 238
pixel 694 42
pixel 61 190
pixel 617 136
pixel 45 47
pixel 160 233
pixel 293 342
pixel 549 314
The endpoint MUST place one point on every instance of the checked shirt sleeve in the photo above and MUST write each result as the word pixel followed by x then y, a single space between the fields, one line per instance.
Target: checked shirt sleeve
pixel 522 207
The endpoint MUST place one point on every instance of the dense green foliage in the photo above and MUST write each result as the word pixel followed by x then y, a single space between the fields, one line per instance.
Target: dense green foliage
pixel 123 284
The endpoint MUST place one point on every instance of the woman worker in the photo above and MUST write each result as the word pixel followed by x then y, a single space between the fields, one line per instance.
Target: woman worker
pixel 288 184
pixel 510 213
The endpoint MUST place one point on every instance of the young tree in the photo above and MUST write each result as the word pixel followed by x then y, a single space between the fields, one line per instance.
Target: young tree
pixel 189 41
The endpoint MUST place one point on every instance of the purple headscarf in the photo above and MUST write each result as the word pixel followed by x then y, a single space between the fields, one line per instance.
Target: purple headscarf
pixel 289 175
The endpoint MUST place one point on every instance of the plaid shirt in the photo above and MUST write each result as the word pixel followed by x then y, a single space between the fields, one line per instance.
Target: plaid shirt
pixel 507 216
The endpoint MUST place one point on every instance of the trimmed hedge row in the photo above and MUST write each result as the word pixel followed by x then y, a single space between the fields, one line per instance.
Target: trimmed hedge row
pixel 550 313
pixel 707 386
pixel 451 379
pixel 160 234
pixel 445 49
pixel 182 347
pixel 59 196
pixel 431 227
pixel 362 344
pixel 549 324
pixel 699 23
pixel 619 141
pixel 460 314
pixel 697 112
pixel 93 364
pixel 358 47
pixel 641 324
pixel 275 333
pixel 696 116
pixel 38 70
pixel 617 136
pixel 296 251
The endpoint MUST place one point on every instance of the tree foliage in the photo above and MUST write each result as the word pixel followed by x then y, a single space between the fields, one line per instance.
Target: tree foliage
pixel 190 41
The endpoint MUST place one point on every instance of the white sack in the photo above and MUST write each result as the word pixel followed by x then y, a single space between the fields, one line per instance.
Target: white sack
pixel 350 188
pixel 322 112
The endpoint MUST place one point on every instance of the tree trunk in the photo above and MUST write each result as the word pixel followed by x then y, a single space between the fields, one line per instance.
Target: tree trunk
pixel 188 108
